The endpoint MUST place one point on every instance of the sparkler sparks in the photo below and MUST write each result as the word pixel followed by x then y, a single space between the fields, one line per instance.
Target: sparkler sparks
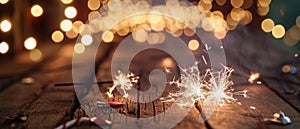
pixel 125 81
pixel 212 86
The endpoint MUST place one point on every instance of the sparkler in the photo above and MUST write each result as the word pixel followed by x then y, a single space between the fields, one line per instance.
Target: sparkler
pixel 125 81
pixel 220 87
pixel 212 86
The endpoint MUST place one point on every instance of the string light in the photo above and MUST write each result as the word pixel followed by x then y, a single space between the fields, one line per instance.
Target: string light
pixel 70 12
pixel 36 10
pixel 4 47
pixel 30 43
pixel 5 26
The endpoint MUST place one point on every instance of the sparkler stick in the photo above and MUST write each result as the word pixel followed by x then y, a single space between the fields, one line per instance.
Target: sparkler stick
pixel 71 84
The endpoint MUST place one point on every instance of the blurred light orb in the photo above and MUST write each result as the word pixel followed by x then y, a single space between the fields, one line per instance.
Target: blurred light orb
pixel 296 55
pixel 168 62
pixel 70 12
pixel 93 4
pixel 5 26
pixel 57 36
pixel 66 25
pixel 286 68
pixel 267 25
pixel 36 10
pixel 237 3
pixel 86 40
pixel 3 1
pixel 293 70
pixel 4 47
pixel 107 36
pixel 220 2
pixel 71 34
pixel 193 44
pixel 278 31
pixel 140 36
pixel 66 1
pixel 79 48
pixel 30 43
pixel 35 55
pixel 264 3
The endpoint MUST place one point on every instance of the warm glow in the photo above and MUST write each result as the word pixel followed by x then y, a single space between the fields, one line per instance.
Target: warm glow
pixel 35 55
pixel 30 43
pixel 220 2
pixel 154 17
pixel 286 68
pixel 57 36
pixel 296 55
pixel 140 36
pixel 237 14
pixel 76 25
pixel 66 1
pixel 264 3
pixel 86 40
pixel 107 36
pixel 278 31
pixel 70 12
pixel 93 4
pixel 3 1
pixel 4 47
pixel 36 10
pixel 193 44
pixel 168 62
pixel 71 34
pixel 253 77
pixel 153 38
pixel 247 4
pixel 263 11
pixel 267 25
pixel 236 3
pixel 66 25
pixel 5 26
pixel 220 34
pixel 79 48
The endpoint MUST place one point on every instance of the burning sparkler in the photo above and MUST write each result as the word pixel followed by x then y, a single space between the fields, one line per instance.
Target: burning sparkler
pixel 212 86
pixel 125 81
pixel 220 87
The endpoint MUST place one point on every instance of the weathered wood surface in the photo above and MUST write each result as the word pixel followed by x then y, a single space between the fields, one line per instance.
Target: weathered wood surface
pixel 44 106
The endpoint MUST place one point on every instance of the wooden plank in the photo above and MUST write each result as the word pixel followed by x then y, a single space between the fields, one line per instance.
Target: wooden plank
pixel 266 103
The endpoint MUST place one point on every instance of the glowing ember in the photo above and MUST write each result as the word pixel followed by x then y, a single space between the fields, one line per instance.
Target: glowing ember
pixel 125 81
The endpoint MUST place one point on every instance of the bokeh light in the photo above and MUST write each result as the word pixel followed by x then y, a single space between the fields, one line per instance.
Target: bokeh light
pixel 79 48
pixel 93 4
pixel 264 3
pixel 57 36
pixel 140 36
pixel 66 25
pixel 86 40
pixel 66 1
pixel 278 31
pixel 70 12
pixel 286 68
pixel 267 25
pixel 220 2
pixel 30 43
pixel 107 36
pixel 263 11
pixel 36 55
pixel 3 1
pixel 71 34
pixel 4 47
pixel 5 26
pixel 298 21
pixel 168 62
pixel 193 44
pixel 36 10
pixel 236 3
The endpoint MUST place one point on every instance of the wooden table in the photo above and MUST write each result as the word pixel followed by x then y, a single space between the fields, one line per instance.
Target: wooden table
pixel 41 105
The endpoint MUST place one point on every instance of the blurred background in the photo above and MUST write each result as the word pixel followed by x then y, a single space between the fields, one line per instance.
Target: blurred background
pixel 260 37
